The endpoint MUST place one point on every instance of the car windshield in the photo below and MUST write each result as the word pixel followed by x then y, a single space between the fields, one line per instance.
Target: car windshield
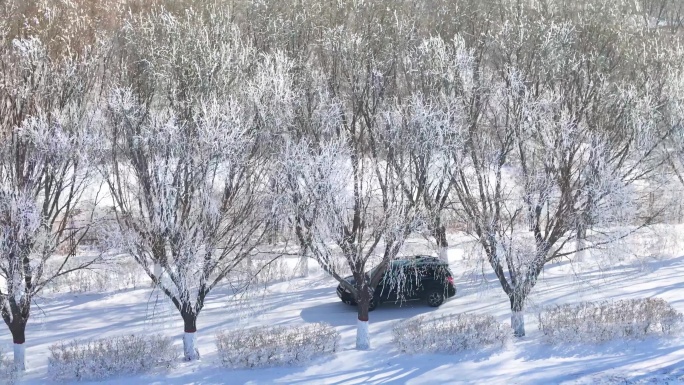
pixel 396 265
pixel 392 266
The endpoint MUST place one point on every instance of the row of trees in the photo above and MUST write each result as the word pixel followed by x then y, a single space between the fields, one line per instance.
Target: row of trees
pixel 353 125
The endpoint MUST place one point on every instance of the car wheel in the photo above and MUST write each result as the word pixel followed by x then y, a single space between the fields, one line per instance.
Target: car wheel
pixel 373 304
pixel 350 302
pixel 435 298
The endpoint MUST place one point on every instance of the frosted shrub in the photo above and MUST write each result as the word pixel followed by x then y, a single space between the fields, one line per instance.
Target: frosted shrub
pixel 8 373
pixel 264 271
pixel 108 357
pixel 275 271
pixel 120 274
pixel 603 321
pixel 276 345
pixel 449 334
pixel 98 281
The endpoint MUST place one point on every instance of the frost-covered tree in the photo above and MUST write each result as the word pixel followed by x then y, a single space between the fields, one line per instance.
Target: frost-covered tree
pixel 48 154
pixel 187 174
pixel 425 128
pixel 346 201
pixel 674 147
pixel 348 211
pixel 276 102
pixel 667 15
pixel 567 124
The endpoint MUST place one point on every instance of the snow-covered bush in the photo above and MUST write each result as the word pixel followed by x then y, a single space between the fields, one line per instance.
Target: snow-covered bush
pixel 275 345
pixel 603 321
pixel 264 271
pixel 97 359
pixel 8 372
pixel 116 275
pixel 450 333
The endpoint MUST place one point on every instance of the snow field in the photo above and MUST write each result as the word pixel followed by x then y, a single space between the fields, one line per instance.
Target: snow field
pixel 603 276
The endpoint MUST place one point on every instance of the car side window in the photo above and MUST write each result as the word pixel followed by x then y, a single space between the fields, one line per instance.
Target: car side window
pixel 425 272
pixel 440 273
pixel 387 277
pixel 396 279
pixel 430 273
pixel 392 275
pixel 414 275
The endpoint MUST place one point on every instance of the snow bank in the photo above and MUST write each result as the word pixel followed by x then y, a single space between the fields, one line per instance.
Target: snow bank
pixel 108 357
pixel 593 322
pixel 450 333
pixel 275 345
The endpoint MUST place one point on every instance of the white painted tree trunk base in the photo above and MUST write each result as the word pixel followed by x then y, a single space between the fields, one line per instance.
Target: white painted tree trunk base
pixel 303 267
pixel 518 323
pixel 157 270
pixel 581 255
pixel 444 254
pixel 190 347
pixel 20 357
pixel 362 335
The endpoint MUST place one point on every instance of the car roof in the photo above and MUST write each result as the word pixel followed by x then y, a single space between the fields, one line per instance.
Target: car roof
pixel 418 260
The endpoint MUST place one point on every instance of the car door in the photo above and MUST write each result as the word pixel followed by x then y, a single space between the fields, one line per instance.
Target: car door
pixel 434 278
pixel 411 282
pixel 387 288
pixel 420 272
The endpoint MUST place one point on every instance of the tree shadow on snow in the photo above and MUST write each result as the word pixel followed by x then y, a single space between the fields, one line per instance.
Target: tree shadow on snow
pixel 394 368
pixel 673 374
pixel 337 313
pixel 599 360
pixel 651 347
pixel 383 372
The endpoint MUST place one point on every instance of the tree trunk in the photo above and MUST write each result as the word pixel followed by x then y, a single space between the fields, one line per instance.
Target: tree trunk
pixel 157 270
pixel 442 244
pixel 581 243
pixel 362 335
pixel 363 303
pixel 517 315
pixel 303 266
pixel 581 255
pixel 190 351
pixel 18 328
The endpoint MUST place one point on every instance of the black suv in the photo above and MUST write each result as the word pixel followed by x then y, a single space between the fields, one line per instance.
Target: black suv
pixel 413 278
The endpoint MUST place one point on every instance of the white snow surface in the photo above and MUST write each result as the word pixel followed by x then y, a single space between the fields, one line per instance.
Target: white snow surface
pixel 312 299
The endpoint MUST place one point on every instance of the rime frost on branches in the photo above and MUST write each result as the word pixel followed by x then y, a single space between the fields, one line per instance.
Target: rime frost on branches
pixel 346 203
pixel 425 128
pixel 48 150
pixel 188 175
pixel 561 145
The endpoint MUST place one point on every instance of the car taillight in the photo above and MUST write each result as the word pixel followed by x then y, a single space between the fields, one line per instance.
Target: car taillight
pixel 450 280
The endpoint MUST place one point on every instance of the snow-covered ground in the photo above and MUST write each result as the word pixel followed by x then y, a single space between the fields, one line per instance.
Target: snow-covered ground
pixel 524 361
